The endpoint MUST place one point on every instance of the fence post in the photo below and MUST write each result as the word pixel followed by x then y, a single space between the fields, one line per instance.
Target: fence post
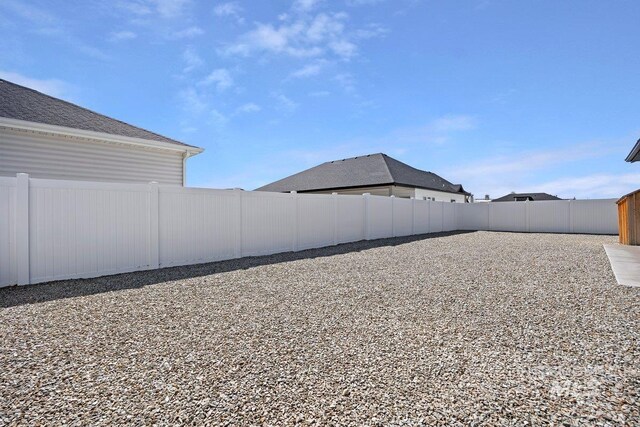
pixel 22 229
pixel 237 251
pixel 366 215
pixel 527 215
pixel 154 213
pixel 294 239
pixel 413 215
pixel 335 218
pixel 393 223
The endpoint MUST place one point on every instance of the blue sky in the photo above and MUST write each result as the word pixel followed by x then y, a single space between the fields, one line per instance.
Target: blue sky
pixel 496 95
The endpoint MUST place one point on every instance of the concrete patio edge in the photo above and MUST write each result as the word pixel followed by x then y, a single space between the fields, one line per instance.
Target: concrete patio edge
pixel 625 263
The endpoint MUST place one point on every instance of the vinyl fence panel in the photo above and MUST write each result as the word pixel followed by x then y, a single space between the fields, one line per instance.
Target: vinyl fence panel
pixel 421 217
pixel 402 217
pixel 268 223
pixel 507 216
pixel 55 229
pixel 548 216
pixel 316 220
pixel 86 229
pixel 8 273
pixel 449 219
pixel 197 225
pixel 350 218
pixel 436 217
pixel 380 217
pixel 474 216
pixel 594 216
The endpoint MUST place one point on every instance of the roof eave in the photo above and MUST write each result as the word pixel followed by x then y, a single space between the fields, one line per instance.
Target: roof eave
pixel 99 136
pixel 634 155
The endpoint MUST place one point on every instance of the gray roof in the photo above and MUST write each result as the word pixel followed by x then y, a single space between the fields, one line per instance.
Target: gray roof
pixel 527 196
pixel 21 103
pixel 362 171
pixel 634 155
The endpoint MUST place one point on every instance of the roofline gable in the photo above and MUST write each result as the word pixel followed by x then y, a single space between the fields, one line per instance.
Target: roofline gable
pixel 55 130
pixel 634 155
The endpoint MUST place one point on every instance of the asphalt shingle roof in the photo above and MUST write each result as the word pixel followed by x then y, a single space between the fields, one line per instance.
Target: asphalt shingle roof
pixel 22 103
pixel 533 196
pixel 634 155
pixel 362 171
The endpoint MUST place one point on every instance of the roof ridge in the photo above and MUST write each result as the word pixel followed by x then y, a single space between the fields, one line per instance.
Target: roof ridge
pixel 94 112
pixel 386 165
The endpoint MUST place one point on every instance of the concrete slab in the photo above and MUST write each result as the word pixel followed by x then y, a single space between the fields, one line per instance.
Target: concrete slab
pixel 625 262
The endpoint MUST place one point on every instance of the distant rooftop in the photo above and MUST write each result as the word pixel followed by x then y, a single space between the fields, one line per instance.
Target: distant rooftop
pixel 521 197
pixel 22 103
pixel 634 155
pixel 362 171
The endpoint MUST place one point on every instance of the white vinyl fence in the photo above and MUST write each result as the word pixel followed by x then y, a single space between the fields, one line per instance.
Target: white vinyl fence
pixel 54 229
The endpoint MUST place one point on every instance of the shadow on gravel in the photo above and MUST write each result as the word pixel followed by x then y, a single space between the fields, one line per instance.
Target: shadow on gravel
pixel 18 295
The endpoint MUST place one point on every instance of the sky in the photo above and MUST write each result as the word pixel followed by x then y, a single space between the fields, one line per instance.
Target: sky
pixel 498 96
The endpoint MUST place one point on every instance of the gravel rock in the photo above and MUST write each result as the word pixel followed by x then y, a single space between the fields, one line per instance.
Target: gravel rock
pixel 453 329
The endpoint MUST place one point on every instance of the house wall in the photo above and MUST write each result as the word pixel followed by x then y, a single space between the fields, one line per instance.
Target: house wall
pixel 398 191
pixel 383 190
pixel 439 196
pixel 56 157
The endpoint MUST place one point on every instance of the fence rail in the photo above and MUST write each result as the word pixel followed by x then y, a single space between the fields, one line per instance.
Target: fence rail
pixel 55 229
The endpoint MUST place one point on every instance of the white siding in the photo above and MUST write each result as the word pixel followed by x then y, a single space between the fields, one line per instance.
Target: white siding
pixel 54 157
pixel 439 196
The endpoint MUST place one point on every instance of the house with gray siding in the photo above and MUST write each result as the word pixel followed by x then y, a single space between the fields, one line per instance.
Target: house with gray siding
pixel 47 137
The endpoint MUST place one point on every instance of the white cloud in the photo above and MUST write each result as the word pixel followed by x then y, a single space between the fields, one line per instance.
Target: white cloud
pixel 371 31
pixel 453 123
pixel 219 77
pixel 52 87
pixel 325 26
pixel 347 81
pixel 363 2
pixel 192 59
pixel 319 93
pixel 218 119
pixel 229 9
pixel 167 9
pixel 42 22
pixel 343 48
pixel 122 36
pixel 188 33
pixel 170 8
pixel 308 70
pixel 528 170
pixel 590 186
pixel 306 5
pixel 305 36
pixel 192 101
pixel 249 107
pixel 284 103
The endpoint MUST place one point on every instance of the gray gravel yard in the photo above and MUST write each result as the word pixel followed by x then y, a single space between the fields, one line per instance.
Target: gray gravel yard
pixel 458 329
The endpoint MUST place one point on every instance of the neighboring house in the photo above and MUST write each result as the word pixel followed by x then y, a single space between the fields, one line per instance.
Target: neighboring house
pixel 47 137
pixel 523 197
pixel 486 199
pixel 634 155
pixel 377 174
